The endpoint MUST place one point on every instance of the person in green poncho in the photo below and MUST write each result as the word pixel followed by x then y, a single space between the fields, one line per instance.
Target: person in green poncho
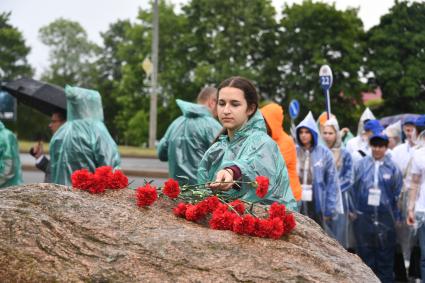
pixel 83 141
pixel 189 136
pixel 10 164
pixel 244 150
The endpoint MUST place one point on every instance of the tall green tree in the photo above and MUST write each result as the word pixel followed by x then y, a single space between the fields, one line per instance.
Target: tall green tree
pixel 72 54
pixel 396 56
pixel 313 34
pixel 230 37
pixel 13 51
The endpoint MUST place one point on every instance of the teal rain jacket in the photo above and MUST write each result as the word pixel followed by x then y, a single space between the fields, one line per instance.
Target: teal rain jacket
pixel 83 141
pixel 256 154
pixel 10 164
pixel 186 141
pixel 326 191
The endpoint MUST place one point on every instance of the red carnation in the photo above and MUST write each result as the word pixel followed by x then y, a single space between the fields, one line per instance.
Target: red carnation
pixel 289 223
pixel 194 213
pixel 263 228
pixel 180 210
pixel 171 188
pixel 249 224
pixel 238 227
pixel 238 206
pixel 222 221
pixel 212 202
pixel 82 179
pixel 277 228
pixel 103 176
pixel 98 186
pixel 263 186
pixel 277 210
pixel 146 195
pixel 118 181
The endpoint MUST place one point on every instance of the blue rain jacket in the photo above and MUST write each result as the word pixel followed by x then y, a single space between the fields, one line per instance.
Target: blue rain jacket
pixel 186 141
pixel 256 154
pixel 390 181
pixel 325 177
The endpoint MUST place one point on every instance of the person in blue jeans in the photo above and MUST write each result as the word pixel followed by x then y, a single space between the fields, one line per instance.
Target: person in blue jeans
pixel 377 186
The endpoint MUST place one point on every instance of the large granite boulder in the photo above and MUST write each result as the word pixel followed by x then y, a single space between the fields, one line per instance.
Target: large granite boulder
pixel 50 233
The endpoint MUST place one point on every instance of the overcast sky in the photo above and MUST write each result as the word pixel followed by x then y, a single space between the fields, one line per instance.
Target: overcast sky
pixel 96 15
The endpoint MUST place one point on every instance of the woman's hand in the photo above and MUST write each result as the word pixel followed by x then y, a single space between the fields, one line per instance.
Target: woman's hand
pixel 224 175
pixel 410 217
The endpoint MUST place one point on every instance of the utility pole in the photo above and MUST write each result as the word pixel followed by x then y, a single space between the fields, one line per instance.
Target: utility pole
pixel 154 78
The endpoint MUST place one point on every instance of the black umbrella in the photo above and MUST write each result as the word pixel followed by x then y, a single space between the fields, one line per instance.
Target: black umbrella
pixel 46 98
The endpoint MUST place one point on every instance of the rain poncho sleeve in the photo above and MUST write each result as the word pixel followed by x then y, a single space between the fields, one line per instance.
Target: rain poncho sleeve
pixel 83 141
pixel 346 172
pixel 325 181
pixel 186 141
pixel 256 154
pixel 10 165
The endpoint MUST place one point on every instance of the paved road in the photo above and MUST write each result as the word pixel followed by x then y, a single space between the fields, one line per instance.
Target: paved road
pixel 38 177
pixel 126 163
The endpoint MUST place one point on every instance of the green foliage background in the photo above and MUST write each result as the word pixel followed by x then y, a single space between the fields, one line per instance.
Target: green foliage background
pixel 210 40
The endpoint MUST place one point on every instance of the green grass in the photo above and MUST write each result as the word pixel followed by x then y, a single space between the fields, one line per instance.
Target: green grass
pixel 133 151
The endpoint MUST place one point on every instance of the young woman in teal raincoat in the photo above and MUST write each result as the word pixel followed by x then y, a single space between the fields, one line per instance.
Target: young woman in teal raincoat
pixel 244 150
pixel 10 164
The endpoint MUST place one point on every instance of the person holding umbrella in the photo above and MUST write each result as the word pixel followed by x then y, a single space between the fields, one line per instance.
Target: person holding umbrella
pixel 57 119
pixel 10 164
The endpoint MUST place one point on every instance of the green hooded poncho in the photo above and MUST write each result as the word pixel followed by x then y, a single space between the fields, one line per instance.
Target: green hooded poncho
pixel 186 141
pixel 83 141
pixel 256 154
pixel 10 164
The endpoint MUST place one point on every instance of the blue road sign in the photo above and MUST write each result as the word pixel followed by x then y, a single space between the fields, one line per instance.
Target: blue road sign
pixel 294 109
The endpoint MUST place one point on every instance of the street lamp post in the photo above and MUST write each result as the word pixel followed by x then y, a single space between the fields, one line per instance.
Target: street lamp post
pixel 154 79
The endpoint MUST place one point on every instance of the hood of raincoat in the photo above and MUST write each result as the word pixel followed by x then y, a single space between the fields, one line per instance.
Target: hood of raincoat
pixel 311 125
pixel 333 122
pixel 273 114
pixel 83 104
pixel 367 115
pixel 192 109
pixel 256 123
pixel 394 130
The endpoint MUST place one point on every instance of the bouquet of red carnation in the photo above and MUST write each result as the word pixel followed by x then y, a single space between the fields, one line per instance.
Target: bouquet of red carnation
pixel 221 214
pixel 102 179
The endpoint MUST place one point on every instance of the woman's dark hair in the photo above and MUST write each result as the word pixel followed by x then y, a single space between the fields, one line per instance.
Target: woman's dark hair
pixel 250 94
pixel 246 86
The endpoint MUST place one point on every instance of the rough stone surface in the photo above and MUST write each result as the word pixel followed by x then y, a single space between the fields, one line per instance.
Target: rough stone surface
pixel 49 233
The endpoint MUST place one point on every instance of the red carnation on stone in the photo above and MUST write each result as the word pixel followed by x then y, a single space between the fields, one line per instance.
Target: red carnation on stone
pixel 238 227
pixel 262 186
pixel 222 221
pixel 82 179
pixel 194 213
pixel 249 224
pixel 146 195
pixel 98 186
pixel 171 188
pixel 212 202
pixel 180 210
pixel 103 175
pixel 277 210
pixel 277 228
pixel 289 223
pixel 238 206
pixel 118 181
pixel 263 228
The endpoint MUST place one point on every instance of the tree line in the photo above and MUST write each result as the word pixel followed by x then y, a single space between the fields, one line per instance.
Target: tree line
pixel 210 40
